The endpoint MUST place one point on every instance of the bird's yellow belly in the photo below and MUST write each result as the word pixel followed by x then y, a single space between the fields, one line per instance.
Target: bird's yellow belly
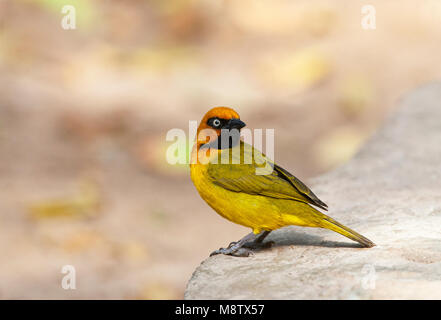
pixel 253 211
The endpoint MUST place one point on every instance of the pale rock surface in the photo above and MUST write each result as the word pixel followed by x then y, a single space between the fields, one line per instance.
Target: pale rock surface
pixel 390 192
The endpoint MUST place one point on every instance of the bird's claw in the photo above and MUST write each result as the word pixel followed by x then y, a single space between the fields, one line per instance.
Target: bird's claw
pixel 231 244
pixel 239 252
pixel 243 252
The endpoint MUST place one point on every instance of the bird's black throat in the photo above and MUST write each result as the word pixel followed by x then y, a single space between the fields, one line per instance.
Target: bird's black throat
pixel 226 140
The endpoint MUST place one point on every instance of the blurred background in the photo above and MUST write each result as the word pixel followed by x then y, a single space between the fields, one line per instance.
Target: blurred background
pixel 84 114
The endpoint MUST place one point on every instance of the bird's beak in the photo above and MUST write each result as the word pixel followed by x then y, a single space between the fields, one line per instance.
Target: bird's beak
pixel 235 124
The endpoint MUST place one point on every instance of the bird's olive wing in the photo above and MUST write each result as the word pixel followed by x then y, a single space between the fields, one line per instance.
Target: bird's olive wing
pixel 241 176
pixel 301 187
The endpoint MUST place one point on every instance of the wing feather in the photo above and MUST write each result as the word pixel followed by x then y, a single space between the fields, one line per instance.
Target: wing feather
pixel 240 176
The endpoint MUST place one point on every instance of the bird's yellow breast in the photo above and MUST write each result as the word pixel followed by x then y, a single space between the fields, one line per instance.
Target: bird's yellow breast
pixel 253 211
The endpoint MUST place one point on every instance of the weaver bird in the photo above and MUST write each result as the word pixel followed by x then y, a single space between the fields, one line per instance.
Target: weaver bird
pixel 262 202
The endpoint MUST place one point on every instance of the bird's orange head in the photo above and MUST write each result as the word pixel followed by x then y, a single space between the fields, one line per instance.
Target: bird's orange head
pixel 216 120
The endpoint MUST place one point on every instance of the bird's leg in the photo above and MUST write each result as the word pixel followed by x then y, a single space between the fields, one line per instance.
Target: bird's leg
pixel 262 236
pixel 242 247
pixel 257 243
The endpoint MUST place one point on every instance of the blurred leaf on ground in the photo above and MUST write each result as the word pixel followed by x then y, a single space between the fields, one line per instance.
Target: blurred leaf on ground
pixel 355 94
pixel 279 17
pixel 298 70
pixel 86 203
pixel 156 291
pixel 163 59
pixel 133 252
pixel 338 146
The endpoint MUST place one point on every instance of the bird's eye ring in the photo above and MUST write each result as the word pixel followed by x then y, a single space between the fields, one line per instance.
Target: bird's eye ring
pixel 216 123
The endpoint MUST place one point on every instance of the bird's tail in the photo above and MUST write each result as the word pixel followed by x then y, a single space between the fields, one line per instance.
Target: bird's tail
pixel 331 224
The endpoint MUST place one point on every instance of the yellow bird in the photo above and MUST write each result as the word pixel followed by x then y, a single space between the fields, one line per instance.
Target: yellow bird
pixel 225 171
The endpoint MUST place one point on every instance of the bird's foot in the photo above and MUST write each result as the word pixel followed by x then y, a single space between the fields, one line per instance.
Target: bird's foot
pixel 235 252
pixel 245 250
pixel 245 246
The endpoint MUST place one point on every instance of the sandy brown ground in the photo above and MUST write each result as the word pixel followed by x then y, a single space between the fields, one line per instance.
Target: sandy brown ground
pixel 84 114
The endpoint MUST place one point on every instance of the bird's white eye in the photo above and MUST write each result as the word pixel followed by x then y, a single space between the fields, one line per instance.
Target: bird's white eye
pixel 216 122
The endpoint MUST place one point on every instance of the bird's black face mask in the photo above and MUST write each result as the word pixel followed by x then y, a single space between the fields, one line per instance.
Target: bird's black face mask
pixel 230 132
